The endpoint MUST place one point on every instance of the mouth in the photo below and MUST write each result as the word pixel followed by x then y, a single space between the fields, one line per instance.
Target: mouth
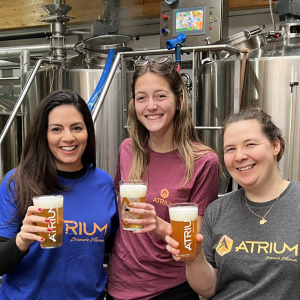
pixel 153 117
pixel 246 168
pixel 68 148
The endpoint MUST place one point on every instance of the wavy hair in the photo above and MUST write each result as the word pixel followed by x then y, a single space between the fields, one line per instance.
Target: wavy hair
pixel 184 135
pixel 36 175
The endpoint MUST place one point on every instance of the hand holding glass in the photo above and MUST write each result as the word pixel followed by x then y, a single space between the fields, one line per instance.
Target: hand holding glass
pixel 53 210
pixel 132 191
pixel 183 218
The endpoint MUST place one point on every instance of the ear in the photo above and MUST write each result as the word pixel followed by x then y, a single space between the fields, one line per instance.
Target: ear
pixel 132 103
pixel 276 147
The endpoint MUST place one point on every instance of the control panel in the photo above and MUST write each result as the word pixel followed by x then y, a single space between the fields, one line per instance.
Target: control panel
pixel 197 19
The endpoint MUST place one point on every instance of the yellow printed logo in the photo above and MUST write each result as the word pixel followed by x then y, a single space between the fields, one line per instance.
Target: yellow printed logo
pixel 164 193
pixel 225 245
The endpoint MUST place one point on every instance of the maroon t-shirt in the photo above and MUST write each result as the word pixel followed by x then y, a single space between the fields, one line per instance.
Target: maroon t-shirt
pixel 140 267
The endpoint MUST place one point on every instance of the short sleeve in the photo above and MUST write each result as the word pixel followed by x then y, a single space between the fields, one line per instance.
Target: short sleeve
pixel 207 241
pixel 205 188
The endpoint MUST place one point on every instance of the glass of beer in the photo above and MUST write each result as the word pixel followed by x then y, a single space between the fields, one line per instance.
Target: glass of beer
pixel 183 218
pixel 53 210
pixel 132 191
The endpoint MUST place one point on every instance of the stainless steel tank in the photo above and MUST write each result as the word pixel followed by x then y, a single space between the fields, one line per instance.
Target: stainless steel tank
pixel 81 74
pixel 272 83
pixel 217 97
pixel 12 144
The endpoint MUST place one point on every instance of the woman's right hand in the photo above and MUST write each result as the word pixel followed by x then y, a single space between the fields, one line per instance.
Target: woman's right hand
pixel 29 230
pixel 173 245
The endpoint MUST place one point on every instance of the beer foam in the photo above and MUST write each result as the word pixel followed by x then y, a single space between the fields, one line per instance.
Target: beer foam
pixel 46 202
pixel 183 213
pixel 133 190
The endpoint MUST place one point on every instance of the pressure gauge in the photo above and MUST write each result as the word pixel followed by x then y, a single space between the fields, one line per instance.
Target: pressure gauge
pixel 170 1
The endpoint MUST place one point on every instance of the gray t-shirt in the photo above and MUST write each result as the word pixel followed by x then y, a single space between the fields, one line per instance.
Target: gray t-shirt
pixel 254 261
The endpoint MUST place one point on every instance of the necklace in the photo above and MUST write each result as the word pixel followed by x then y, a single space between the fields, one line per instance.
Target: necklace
pixel 263 219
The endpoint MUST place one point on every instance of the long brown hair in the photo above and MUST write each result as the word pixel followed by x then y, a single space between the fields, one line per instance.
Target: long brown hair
pixel 36 174
pixel 184 135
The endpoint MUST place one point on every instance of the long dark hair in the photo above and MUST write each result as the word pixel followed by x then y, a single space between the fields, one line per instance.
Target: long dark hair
pixel 36 174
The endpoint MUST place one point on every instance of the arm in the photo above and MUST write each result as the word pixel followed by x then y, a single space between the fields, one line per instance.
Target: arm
pixel 10 255
pixel 201 276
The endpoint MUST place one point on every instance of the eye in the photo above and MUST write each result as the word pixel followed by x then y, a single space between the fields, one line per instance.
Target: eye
pixel 77 128
pixel 140 98
pixel 161 96
pixel 250 144
pixel 56 129
pixel 229 150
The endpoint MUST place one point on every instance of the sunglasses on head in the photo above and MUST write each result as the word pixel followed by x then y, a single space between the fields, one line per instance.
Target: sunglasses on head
pixel 144 62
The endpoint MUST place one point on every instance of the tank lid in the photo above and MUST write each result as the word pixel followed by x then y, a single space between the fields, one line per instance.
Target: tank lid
pixel 103 43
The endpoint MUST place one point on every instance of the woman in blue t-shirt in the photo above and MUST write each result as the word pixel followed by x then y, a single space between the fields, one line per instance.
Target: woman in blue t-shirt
pixel 58 157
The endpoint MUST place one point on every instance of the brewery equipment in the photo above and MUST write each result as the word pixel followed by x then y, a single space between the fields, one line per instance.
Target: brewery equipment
pixel 199 20
pixel 12 144
pixel 272 83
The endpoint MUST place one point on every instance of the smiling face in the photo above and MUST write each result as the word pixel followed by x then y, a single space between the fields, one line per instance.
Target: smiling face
pixel 67 137
pixel 155 105
pixel 249 155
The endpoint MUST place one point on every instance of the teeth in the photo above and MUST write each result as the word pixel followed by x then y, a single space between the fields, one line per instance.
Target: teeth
pixel 68 148
pixel 154 117
pixel 246 168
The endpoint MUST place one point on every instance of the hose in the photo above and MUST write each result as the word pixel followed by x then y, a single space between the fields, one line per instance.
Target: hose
pixel 94 98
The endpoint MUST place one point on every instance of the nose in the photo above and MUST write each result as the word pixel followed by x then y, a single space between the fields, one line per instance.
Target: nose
pixel 68 136
pixel 151 104
pixel 240 155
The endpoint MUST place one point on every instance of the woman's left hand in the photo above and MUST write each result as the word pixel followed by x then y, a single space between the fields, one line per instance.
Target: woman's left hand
pixel 149 222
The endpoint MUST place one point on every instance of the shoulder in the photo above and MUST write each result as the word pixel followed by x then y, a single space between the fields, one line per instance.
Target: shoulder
pixel 126 144
pixel 208 159
pixel 224 202
pixel 6 178
pixel 293 187
pixel 100 175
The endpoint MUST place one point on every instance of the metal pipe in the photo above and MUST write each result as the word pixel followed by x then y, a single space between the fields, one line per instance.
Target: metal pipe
pixel 116 62
pixel 9 52
pixel 21 98
pixel 9 78
pixel 28 35
pixel 25 61
pixel 106 85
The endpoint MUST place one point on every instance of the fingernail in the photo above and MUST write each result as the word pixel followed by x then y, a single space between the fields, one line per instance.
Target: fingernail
pixel 42 239
pixel 47 220
pixel 125 220
pixel 49 229
pixel 40 209
pixel 127 209
pixel 131 204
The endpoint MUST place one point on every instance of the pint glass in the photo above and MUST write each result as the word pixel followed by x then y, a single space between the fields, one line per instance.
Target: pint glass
pixel 183 218
pixel 132 191
pixel 52 209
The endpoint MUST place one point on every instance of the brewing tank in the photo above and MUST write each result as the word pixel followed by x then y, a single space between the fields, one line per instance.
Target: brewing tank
pixel 81 73
pixel 272 83
pixel 12 143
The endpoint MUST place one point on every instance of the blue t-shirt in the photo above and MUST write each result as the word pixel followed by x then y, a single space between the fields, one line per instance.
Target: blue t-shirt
pixel 75 270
